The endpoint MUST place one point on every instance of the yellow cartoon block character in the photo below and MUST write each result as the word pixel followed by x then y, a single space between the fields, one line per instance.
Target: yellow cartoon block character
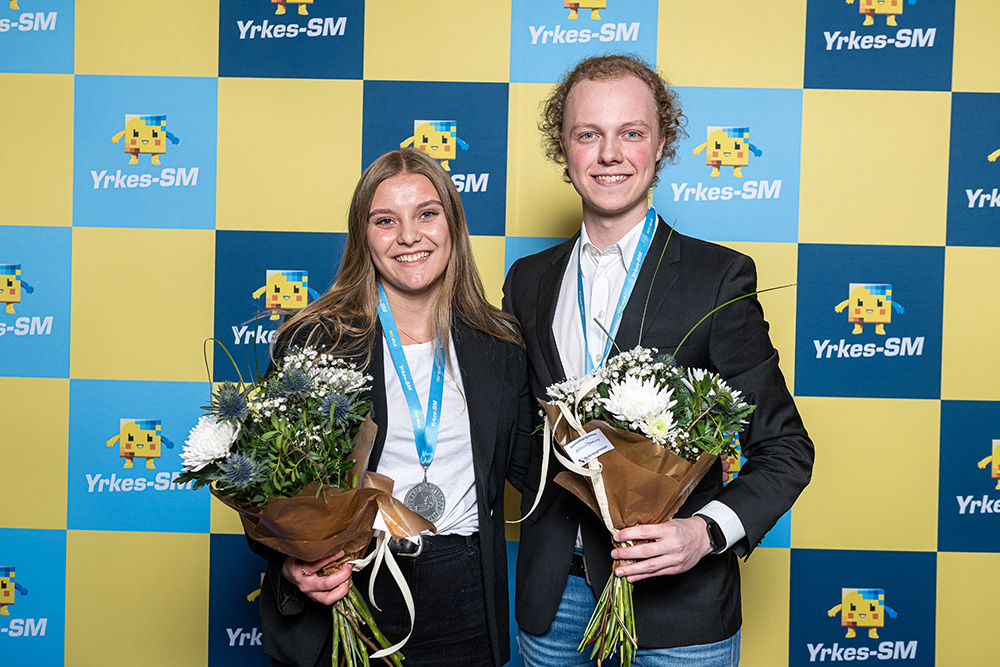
pixel 8 589
pixel 11 286
pixel 140 438
pixel 869 303
pixel 286 290
pixel 993 458
pixel 303 10
pixel 593 5
pixel 863 608
pixel 891 8
pixel 146 135
pixel 437 138
pixel 728 147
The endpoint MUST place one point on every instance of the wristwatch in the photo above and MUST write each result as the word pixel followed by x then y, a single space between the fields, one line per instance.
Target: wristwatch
pixel 716 538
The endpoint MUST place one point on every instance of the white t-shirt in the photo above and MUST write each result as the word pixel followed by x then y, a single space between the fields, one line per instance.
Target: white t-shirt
pixel 452 467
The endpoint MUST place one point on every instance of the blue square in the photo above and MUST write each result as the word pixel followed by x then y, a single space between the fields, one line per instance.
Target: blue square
pixel 708 192
pixel 823 626
pixel 545 42
pixel 144 152
pixel 242 260
pixel 325 43
pixel 109 490
pixel 913 54
pixel 34 325
pixel 234 628
pixel 852 341
pixel 33 627
pixel 472 148
pixel 974 170
pixel 38 38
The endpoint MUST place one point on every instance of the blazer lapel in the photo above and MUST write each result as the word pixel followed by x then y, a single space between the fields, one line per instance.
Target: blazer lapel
pixel 656 278
pixel 482 382
pixel 376 370
pixel 548 295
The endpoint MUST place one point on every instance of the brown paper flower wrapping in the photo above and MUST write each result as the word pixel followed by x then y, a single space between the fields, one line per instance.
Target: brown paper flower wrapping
pixel 308 526
pixel 645 483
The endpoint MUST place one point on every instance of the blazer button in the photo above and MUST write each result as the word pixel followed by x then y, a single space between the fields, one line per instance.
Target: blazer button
pixel 491 511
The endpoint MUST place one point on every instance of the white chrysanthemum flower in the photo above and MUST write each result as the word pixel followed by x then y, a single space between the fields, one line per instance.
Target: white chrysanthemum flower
pixel 634 400
pixel 209 440
pixel 660 429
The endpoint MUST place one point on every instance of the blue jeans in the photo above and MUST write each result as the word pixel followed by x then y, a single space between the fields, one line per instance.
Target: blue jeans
pixel 557 647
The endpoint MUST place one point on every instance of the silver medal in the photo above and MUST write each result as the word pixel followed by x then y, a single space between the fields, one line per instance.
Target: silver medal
pixel 427 500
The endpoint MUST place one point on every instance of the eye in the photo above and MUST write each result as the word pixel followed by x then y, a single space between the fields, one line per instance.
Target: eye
pixel 718 146
pixel 429 214
pixel 736 145
pixel 444 140
pixel 425 141
pixel 135 133
pixel 382 222
pixel 149 438
pixel 852 607
pixel 155 135
pixel 295 289
pixel 878 303
pixel 633 134
pixel 860 303
pixel 130 437
pixel 587 135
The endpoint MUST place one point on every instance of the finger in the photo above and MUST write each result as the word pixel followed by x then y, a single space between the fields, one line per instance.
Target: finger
pixel 333 595
pixel 317 565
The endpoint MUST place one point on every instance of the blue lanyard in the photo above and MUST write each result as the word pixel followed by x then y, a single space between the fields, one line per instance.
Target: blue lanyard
pixel 633 274
pixel 425 433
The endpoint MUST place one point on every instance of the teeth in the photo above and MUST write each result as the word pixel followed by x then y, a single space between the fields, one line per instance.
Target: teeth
pixel 406 259
pixel 611 179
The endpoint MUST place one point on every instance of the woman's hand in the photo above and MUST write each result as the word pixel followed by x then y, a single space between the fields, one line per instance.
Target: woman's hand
pixel 325 590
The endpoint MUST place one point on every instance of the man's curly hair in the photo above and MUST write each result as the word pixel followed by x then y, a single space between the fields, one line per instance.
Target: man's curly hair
pixel 601 68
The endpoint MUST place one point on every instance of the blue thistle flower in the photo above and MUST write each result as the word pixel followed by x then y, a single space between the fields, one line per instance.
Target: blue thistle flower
pixel 294 381
pixel 240 471
pixel 336 406
pixel 230 403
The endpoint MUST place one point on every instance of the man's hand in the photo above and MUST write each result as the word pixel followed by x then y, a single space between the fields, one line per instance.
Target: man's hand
pixel 325 590
pixel 676 546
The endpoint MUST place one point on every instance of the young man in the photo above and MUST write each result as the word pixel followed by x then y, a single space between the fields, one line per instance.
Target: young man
pixel 613 123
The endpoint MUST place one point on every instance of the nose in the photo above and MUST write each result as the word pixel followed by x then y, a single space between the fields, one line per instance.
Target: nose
pixel 408 233
pixel 611 152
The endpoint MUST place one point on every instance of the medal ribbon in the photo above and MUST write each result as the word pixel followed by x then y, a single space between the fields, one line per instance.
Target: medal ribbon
pixel 425 432
pixel 633 274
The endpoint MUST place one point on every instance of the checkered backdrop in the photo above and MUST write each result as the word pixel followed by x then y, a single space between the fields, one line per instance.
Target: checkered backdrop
pixel 872 129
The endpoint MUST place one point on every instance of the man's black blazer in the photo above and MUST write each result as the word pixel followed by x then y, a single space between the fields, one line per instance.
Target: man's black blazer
pixel 680 282
pixel 297 630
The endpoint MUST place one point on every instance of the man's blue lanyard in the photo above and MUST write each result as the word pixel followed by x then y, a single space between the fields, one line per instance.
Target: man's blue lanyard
pixel 633 273
pixel 424 432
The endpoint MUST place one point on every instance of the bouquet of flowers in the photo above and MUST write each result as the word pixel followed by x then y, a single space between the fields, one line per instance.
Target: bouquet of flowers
pixel 664 427
pixel 289 454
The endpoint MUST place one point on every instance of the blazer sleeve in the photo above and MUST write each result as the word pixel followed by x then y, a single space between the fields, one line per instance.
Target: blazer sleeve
pixel 778 450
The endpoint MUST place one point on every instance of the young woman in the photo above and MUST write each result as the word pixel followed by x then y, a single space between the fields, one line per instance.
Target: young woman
pixel 408 296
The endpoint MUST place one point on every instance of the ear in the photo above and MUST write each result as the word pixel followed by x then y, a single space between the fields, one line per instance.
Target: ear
pixel 659 149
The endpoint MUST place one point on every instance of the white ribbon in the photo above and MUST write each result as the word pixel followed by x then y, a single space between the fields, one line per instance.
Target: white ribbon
pixel 593 469
pixel 381 553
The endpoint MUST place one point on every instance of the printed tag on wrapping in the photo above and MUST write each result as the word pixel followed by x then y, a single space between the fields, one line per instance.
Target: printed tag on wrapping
pixel 585 449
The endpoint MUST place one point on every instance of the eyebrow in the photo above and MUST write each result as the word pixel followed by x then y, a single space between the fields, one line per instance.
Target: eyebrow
pixel 389 211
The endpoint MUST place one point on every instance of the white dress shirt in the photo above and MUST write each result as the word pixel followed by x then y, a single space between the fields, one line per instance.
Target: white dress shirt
pixel 604 272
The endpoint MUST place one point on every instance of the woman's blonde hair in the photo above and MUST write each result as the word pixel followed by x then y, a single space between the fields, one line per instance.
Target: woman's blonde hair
pixel 347 312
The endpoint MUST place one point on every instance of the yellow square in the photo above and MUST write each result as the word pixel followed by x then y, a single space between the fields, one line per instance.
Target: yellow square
pixel 136 598
pixel 35 416
pixel 488 252
pixel 966 585
pixel 539 202
pixel 765 579
pixel 977 50
pixel 873 165
pixel 437 40
pixel 289 153
pixel 133 37
pixel 224 519
pixel 732 43
pixel 777 265
pixel 969 353
pixel 36 132
pixel 142 303
pixel 875 482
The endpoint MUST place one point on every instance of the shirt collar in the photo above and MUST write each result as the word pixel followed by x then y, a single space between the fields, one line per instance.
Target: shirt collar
pixel 626 245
